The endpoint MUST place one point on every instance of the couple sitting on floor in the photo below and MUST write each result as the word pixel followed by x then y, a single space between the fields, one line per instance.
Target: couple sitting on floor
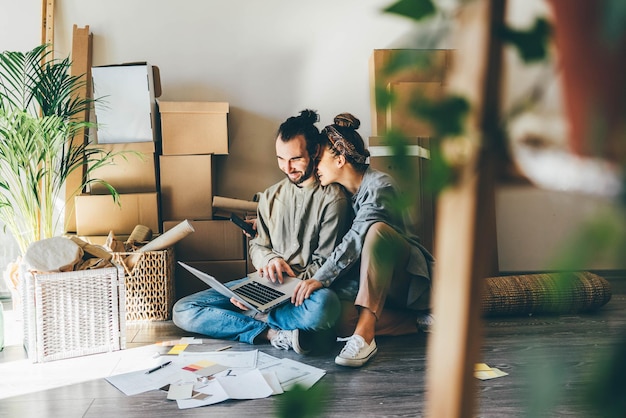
pixel 333 223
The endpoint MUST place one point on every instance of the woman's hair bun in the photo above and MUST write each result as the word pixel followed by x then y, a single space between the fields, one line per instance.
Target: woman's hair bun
pixel 347 120
pixel 310 116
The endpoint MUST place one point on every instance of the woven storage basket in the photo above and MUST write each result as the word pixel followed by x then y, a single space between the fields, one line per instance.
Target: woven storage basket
pixel 545 294
pixel 73 314
pixel 149 285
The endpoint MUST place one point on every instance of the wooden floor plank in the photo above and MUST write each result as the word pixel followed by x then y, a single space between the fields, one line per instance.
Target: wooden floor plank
pixel 535 350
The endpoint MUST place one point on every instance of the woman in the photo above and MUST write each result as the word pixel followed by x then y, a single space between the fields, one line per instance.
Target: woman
pixel 395 269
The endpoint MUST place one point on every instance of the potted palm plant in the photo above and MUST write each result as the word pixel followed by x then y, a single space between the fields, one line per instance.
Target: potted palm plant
pixel 40 112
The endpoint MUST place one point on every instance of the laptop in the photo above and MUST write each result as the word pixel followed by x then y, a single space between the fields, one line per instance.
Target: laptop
pixel 256 293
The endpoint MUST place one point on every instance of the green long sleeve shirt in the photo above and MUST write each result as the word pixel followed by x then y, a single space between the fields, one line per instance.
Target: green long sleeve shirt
pixel 302 225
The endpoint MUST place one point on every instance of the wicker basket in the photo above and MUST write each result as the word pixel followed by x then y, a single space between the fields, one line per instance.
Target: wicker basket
pixel 149 285
pixel 73 314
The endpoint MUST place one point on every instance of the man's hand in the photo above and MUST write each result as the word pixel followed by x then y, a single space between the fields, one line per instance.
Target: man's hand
pixel 304 289
pixel 274 270
pixel 252 222
pixel 238 304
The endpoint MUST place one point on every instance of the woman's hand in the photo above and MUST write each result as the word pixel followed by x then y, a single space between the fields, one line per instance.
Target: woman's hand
pixel 304 289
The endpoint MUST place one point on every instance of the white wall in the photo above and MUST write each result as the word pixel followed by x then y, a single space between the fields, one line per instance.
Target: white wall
pixel 533 226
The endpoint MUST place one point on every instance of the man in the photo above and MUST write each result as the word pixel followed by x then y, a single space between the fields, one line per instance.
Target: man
pixel 299 222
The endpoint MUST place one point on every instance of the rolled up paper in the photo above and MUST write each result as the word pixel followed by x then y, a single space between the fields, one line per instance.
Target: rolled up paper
pixel 234 205
pixel 163 241
pixel 141 233
pixel 169 238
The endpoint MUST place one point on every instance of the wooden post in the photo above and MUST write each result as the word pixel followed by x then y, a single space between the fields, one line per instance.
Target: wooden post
pixel 465 227
pixel 47 23
pixel 82 41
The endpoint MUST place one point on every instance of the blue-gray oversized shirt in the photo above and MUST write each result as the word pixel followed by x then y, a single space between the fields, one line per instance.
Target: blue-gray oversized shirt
pixel 374 202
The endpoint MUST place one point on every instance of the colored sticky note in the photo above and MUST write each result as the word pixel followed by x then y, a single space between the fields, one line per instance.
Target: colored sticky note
pixel 177 349
pixel 483 371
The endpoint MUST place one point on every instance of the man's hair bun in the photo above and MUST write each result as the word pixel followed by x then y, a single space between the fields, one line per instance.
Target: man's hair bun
pixel 310 116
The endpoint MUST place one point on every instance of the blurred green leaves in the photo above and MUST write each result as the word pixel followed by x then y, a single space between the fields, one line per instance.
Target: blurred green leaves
pixel 413 9
pixel 602 237
pixel 531 44
pixel 300 402
pixel 446 116
pixel 606 396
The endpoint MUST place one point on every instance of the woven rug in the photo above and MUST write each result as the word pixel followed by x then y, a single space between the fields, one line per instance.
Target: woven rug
pixel 554 293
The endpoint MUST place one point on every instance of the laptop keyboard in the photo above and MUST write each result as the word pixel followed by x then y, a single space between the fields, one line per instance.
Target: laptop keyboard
pixel 259 292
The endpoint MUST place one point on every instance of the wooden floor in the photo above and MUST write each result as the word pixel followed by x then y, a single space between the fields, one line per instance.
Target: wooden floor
pixel 551 360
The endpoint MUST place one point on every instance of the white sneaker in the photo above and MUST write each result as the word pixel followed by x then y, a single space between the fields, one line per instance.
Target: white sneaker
pixel 425 322
pixel 284 340
pixel 356 352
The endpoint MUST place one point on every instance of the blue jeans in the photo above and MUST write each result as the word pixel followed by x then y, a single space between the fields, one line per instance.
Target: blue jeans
pixel 212 314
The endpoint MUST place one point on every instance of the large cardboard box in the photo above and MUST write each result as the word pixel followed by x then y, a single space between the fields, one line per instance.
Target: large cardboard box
pixel 126 102
pixel 249 264
pixel 224 271
pixel 133 171
pixel 194 127
pixel 404 65
pixel 186 187
pixel 99 214
pixel 411 172
pixel 212 240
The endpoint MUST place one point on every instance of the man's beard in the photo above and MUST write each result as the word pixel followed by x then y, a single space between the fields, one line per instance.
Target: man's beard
pixel 310 169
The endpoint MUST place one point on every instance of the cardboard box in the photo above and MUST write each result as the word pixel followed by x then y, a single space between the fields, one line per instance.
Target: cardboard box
pixel 99 214
pixel 186 187
pixel 399 116
pixel 410 172
pixel 133 171
pixel 126 102
pixel 212 240
pixel 194 127
pixel 404 65
pixel 100 239
pixel 224 271
pixel 249 266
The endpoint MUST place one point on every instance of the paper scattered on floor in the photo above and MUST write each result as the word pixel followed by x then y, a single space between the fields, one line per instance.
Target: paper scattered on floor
pixel 483 372
pixel 181 341
pixel 195 379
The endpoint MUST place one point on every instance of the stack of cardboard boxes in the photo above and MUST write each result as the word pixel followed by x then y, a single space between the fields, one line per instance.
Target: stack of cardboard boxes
pixel 127 120
pixel 193 133
pixel 424 77
pixel 163 176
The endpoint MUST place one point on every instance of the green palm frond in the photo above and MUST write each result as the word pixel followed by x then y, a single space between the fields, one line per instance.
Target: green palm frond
pixel 40 113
